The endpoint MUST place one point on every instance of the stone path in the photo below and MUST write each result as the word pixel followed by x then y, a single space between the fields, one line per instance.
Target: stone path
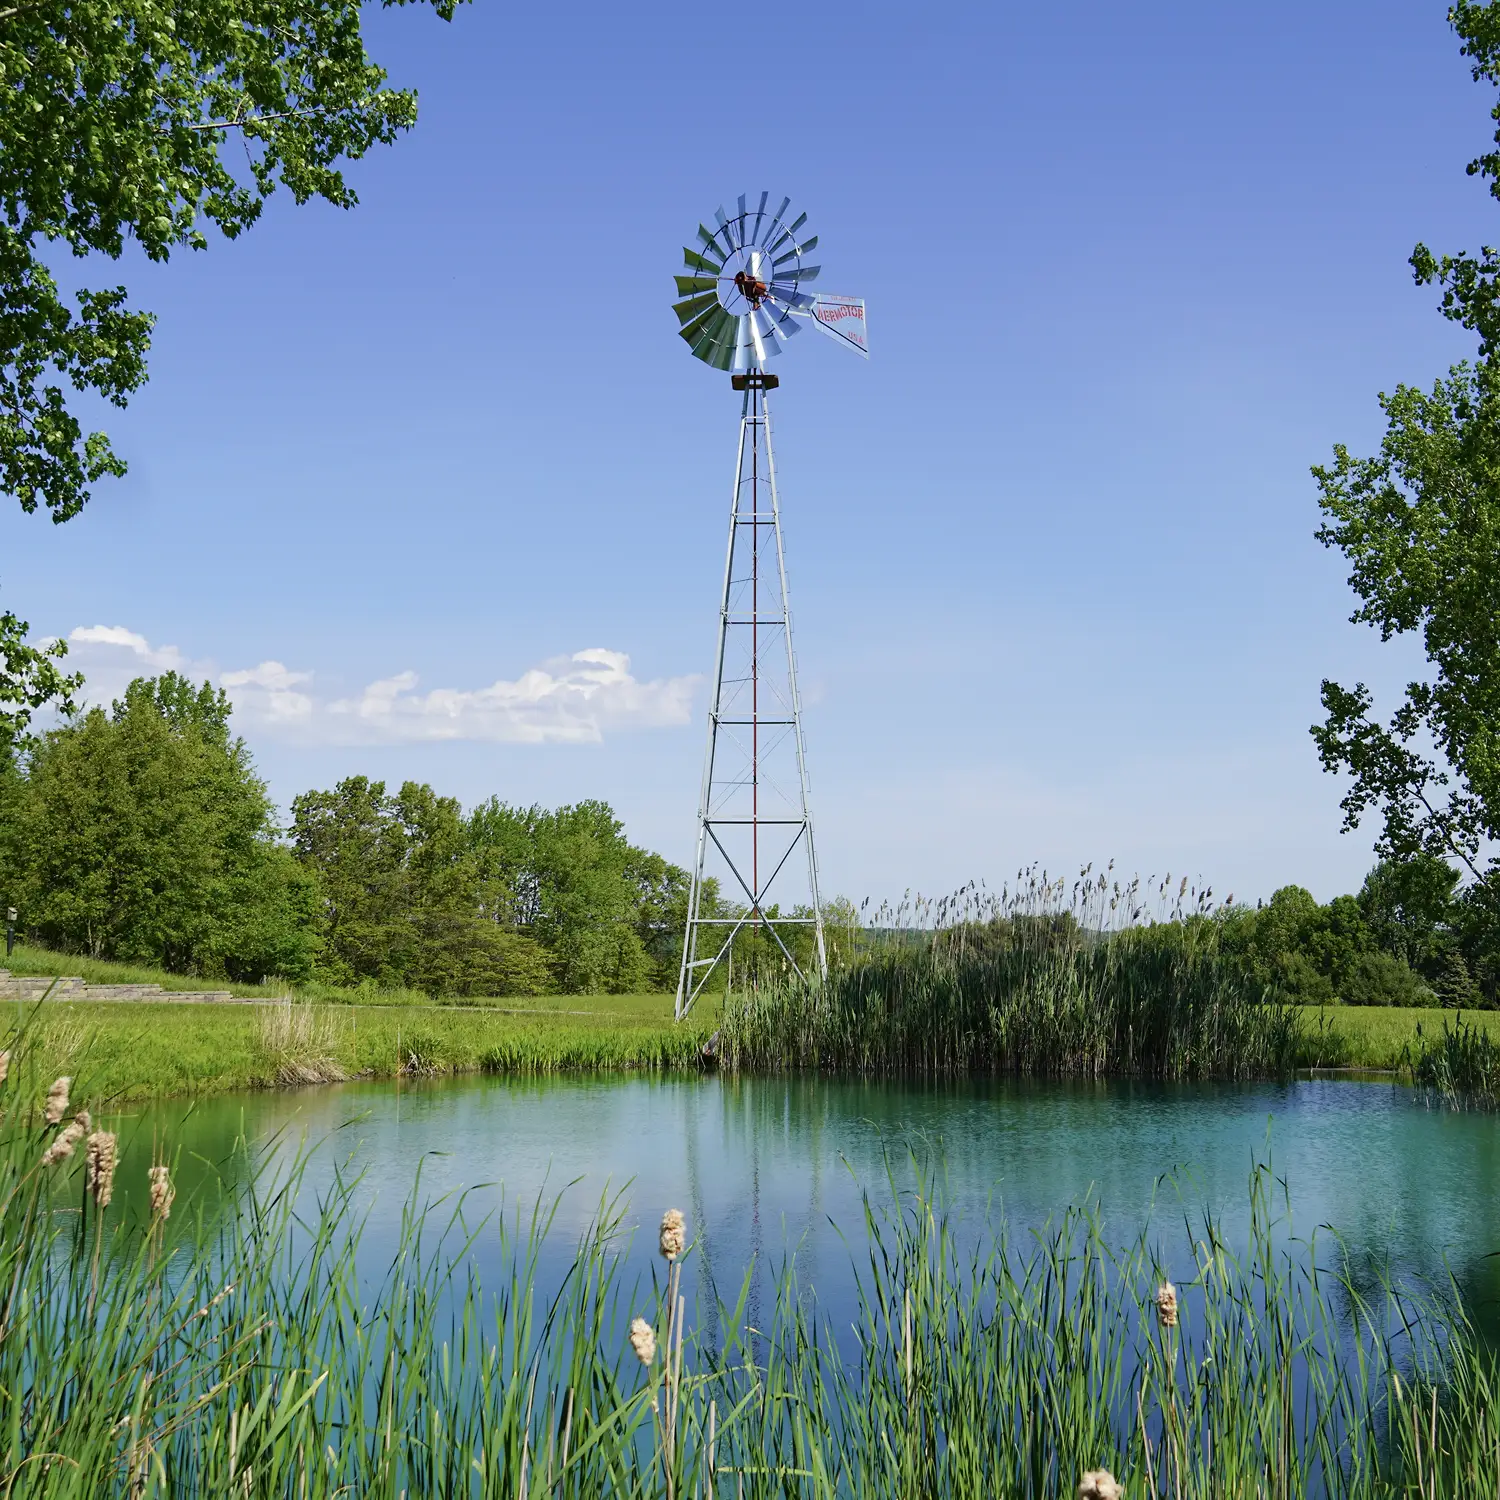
pixel 70 987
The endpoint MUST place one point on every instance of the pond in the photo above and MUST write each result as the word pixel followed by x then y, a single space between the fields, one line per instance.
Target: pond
pixel 763 1167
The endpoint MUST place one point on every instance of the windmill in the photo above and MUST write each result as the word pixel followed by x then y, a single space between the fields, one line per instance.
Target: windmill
pixel 742 294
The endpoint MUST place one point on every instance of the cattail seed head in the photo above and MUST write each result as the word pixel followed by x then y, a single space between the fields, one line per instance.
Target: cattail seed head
pixel 100 1179
pixel 673 1234
pixel 57 1101
pixel 1100 1484
pixel 1166 1305
pixel 643 1341
pixel 67 1138
pixel 162 1192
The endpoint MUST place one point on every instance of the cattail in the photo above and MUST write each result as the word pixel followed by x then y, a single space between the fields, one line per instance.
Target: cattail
pixel 1100 1484
pixel 643 1341
pixel 162 1192
pixel 57 1101
pixel 62 1147
pixel 100 1178
pixel 673 1236
pixel 1166 1305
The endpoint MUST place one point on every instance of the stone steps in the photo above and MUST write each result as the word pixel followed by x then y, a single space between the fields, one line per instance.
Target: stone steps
pixel 71 987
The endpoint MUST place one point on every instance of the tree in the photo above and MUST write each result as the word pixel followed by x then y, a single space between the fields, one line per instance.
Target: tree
pixel 609 915
pixel 1408 907
pixel 1420 524
pixel 401 894
pixel 113 119
pixel 29 678
pixel 144 834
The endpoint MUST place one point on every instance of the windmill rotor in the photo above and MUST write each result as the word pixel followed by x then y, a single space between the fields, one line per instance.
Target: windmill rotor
pixel 743 293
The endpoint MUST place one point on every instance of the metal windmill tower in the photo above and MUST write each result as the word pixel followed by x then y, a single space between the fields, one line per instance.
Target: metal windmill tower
pixel 741 296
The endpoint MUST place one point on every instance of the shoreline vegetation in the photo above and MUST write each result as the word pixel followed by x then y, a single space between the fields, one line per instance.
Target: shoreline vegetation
pixel 143 1049
pixel 248 1351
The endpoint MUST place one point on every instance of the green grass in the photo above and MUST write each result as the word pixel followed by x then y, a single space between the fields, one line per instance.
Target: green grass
pixel 246 1356
pixel 144 1050
pixel 1371 1036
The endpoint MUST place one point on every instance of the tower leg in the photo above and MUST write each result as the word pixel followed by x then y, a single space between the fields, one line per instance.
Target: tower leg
pixel 754 811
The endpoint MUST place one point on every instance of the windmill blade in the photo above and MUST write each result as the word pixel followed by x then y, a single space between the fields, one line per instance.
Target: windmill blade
pixel 760 214
pixel 843 320
pixel 692 307
pixel 774 222
pixel 687 285
pixel 710 240
pixel 696 262
pixel 786 293
pixel 727 230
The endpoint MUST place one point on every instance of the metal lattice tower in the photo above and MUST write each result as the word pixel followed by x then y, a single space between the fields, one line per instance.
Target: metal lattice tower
pixel 741 296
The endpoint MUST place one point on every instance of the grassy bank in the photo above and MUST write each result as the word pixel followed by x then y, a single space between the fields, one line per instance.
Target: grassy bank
pixel 143 1050
pixel 1351 1036
pixel 249 1359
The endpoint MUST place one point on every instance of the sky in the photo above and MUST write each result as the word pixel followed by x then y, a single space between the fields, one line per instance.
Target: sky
pixel 432 488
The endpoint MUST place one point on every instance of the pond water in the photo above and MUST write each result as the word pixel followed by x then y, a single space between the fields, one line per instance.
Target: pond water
pixel 762 1167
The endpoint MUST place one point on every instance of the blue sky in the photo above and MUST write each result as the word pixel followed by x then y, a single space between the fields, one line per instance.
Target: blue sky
pixel 1130 271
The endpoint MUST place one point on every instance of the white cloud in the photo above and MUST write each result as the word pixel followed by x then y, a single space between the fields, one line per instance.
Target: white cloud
pixel 569 700
pixel 267 692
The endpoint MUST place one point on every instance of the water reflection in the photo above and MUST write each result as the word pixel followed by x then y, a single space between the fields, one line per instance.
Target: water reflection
pixel 764 1167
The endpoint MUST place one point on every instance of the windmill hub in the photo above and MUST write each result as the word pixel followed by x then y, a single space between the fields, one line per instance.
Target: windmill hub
pixel 751 289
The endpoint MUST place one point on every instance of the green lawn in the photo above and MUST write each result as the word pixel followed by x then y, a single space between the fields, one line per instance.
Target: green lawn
pixel 1368 1036
pixel 143 1050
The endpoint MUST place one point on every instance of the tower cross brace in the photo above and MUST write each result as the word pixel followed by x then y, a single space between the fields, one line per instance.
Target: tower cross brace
pixel 754 812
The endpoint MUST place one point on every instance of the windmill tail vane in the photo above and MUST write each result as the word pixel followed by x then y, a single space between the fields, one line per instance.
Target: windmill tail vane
pixel 742 295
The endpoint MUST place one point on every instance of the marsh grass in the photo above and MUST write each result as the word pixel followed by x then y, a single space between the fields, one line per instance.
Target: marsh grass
pixel 1460 1066
pixel 1040 980
pixel 257 1355
pixel 301 1042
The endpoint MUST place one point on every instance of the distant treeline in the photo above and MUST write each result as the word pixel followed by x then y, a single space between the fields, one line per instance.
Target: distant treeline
pixel 143 833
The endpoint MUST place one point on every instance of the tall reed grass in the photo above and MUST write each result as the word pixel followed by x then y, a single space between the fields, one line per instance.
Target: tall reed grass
pixel 1460 1066
pixel 253 1354
pixel 1039 980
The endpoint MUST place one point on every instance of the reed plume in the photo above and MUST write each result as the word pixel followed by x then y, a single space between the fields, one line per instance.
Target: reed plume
pixel 673 1235
pixel 643 1341
pixel 1100 1484
pixel 70 1135
pixel 162 1193
pixel 57 1101
pixel 4 1065
pixel 103 1152
pixel 1166 1305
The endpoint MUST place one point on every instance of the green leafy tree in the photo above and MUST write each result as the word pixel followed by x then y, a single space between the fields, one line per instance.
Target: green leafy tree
pixel 352 841
pixel 29 679
pixel 1420 525
pixel 1408 906
pixel 114 119
pixel 401 894
pixel 609 915
pixel 144 834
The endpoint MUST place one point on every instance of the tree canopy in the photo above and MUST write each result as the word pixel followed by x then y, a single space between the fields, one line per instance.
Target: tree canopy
pixel 114 115
pixel 144 834
pixel 1420 525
